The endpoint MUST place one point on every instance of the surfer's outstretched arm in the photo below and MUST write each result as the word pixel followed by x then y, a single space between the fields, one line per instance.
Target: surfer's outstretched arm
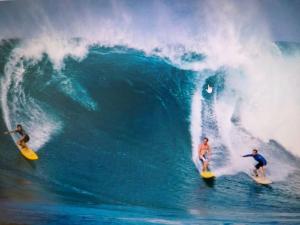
pixel 248 155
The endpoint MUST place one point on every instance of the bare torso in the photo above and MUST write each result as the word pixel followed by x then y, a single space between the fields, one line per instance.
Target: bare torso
pixel 203 149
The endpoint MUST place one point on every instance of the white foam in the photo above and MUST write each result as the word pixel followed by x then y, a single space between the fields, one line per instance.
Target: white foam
pixel 19 108
pixel 261 89
pixel 37 120
pixel 153 220
pixel 271 96
pixel 57 49
pixel 195 127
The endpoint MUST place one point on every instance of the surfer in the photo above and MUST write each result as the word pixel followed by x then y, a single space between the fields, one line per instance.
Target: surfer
pixel 24 136
pixel 262 162
pixel 204 154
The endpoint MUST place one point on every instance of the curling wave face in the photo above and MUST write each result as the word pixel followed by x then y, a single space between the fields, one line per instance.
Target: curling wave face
pixel 112 124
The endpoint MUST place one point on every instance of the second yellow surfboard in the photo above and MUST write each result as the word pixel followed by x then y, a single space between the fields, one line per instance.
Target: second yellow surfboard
pixel 207 174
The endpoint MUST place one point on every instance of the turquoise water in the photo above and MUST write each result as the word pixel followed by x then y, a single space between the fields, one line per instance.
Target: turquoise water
pixel 113 132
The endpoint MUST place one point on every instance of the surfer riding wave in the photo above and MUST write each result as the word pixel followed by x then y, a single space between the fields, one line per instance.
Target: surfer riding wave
pixel 24 136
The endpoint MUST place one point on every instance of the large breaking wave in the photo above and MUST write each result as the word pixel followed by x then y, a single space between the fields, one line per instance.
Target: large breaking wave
pixel 116 113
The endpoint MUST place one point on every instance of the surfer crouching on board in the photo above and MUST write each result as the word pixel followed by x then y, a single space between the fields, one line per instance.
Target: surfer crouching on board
pixel 262 162
pixel 204 154
pixel 24 136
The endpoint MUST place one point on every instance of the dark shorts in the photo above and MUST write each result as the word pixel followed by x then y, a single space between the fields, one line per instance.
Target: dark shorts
pixel 203 158
pixel 260 164
pixel 26 138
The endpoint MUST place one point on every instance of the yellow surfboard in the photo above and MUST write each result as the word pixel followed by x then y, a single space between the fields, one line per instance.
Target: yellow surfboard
pixel 207 174
pixel 28 153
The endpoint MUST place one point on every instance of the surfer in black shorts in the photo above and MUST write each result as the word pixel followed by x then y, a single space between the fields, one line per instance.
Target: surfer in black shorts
pixel 204 153
pixel 24 136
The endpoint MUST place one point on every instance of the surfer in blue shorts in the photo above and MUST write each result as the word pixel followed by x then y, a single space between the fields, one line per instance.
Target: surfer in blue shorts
pixel 24 136
pixel 262 162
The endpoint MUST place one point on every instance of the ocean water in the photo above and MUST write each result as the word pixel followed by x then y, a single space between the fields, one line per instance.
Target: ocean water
pixel 117 121
pixel 117 131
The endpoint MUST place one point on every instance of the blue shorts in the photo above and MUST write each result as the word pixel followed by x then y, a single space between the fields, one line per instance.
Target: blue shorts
pixel 260 164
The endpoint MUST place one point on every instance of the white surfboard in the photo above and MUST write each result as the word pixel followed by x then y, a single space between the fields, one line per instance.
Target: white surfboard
pixel 261 180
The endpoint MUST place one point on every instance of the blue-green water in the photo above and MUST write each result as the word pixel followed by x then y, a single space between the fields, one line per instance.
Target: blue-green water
pixel 115 140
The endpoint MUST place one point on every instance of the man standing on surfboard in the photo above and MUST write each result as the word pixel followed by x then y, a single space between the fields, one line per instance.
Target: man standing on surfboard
pixel 204 154
pixel 24 136
pixel 262 162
